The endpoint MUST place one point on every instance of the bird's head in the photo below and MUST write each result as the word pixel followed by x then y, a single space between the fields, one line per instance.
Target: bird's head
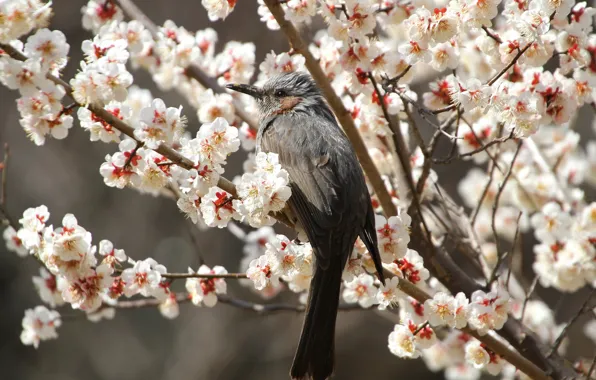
pixel 283 93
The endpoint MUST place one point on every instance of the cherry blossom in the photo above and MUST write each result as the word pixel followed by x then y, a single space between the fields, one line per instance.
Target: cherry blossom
pixel 402 343
pixel 39 324
pixel 218 9
pixel 204 291
pixel 361 290
pixel 144 278
pixel 13 242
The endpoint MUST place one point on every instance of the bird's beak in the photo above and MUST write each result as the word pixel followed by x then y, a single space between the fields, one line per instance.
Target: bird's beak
pixel 253 91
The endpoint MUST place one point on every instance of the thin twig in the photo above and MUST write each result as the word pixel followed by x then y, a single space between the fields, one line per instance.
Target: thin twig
pixel 513 246
pixel 484 147
pixel 563 333
pixel 500 256
pixel 527 298
pixel 4 175
pixel 492 35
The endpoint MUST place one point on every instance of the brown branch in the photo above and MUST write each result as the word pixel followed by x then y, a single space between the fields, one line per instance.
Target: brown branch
pixel 193 71
pixel 527 298
pixel 343 116
pixel 492 35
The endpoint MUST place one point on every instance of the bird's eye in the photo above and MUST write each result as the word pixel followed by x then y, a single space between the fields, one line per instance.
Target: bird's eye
pixel 280 93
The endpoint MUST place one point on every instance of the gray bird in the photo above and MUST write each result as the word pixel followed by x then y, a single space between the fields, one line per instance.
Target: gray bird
pixel 329 198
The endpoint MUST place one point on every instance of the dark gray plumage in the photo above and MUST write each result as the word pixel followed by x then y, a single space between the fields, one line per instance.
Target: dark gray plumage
pixel 329 198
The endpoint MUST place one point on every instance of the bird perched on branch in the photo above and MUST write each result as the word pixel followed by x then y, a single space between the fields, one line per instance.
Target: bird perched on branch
pixel 329 198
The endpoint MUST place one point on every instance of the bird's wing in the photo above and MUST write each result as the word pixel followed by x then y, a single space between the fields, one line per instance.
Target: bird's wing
pixel 319 197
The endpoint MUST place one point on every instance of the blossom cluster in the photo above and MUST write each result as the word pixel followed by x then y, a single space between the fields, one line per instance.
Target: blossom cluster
pixel 86 276
pixel 40 107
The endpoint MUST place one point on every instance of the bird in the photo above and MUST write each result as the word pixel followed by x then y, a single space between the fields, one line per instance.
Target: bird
pixel 329 198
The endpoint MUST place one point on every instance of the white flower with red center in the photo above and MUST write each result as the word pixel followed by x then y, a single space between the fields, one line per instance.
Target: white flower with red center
pixel 389 293
pixel 471 94
pixel 266 16
pixel 99 129
pixel 218 9
pixel 235 64
pixel 121 169
pixel 206 40
pixel 361 18
pixel 144 278
pixel 412 267
pixel 393 236
pixel 444 24
pixel 552 224
pixel 476 355
pixel 488 311
pixel 49 46
pixel 13 242
pixel 402 343
pixel 212 106
pixel 411 309
pixel 111 255
pixel 45 103
pixel 218 207
pixel 49 287
pixel 25 76
pixel 444 56
pixel 298 11
pixel 361 290
pixel 20 17
pixel 424 334
pixel 439 95
pixel 248 137
pixel 414 52
pixel 264 191
pixel 479 12
pixel 97 13
pixel 33 221
pixel 39 324
pixel 86 292
pixel 103 51
pixel 169 308
pixel 275 64
pixel 71 242
pixel 440 310
pixel 205 290
pixel 38 128
pixel 461 311
pixel 283 254
pixel 260 272
pixel 216 141
pixel 189 203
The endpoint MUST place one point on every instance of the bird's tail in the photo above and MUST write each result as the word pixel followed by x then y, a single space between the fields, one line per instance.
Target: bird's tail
pixel 315 354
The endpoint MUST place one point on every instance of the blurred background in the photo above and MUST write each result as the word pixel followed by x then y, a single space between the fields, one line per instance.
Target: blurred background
pixel 219 343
